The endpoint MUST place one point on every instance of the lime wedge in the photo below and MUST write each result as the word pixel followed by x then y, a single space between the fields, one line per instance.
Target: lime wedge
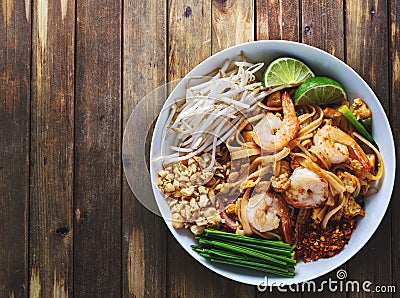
pixel 319 91
pixel 286 72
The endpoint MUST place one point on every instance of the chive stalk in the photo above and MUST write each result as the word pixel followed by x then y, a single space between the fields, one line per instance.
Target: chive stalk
pixel 215 253
pixel 240 249
pixel 274 257
pixel 264 248
pixel 246 265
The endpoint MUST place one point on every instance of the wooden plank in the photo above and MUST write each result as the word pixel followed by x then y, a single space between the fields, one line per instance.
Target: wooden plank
pixel 189 36
pixel 228 30
pixel 144 234
pixel 52 127
pixel 189 31
pixel 367 44
pixel 277 19
pixel 190 43
pixel 97 238
pixel 318 30
pixel 367 52
pixel 15 45
pixel 394 74
pixel 317 17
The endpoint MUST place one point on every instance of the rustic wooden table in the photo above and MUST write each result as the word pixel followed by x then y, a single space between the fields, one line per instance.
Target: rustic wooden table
pixel 71 72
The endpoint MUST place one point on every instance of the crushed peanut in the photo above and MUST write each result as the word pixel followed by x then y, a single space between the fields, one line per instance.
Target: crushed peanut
pixel 191 190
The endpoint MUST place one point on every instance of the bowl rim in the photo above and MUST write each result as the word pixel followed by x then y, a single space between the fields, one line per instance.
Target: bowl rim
pixel 392 165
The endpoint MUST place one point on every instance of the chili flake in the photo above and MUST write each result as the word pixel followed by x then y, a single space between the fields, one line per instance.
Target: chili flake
pixel 318 243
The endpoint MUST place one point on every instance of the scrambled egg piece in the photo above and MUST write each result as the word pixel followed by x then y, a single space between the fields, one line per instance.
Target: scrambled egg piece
pixel 352 208
pixel 230 209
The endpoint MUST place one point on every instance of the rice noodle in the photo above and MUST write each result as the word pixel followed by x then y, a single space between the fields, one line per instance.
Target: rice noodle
pixel 303 215
pixel 242 212
pixel 342 200
pixel 314 124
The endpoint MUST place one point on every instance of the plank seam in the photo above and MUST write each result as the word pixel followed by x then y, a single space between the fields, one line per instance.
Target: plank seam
pixel 255 20
pixel 344 37
pixel 28 259
pixel 300 37
pixel 391 116
pixel 345 61
pixel 74 148
pixel 121 116
pixel 211 24
pixel 167 50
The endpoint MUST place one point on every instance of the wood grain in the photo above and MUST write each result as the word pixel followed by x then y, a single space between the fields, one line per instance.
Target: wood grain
pixel 189 39
pixel 186 277
pixel 394 74
pixel 367 52
pixel 189 36
pixel 278 19
pixel 144 234
pixel 189 42
pixel 52 128
pixel 97 225
pixel 227 30
pixel 15 45
pixel 323 26
pixel 69 225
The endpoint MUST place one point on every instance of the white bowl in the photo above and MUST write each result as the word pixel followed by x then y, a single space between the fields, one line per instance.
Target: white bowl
pixel 321 63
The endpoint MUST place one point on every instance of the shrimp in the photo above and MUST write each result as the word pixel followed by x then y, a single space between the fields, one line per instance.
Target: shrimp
pixel 338 146
pixel 267 211
pixel 307 189
pixel 272 133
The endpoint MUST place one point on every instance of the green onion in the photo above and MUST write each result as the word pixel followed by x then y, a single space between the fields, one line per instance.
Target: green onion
pixel 240 249
pixel 275 257
pixel 353 120
pixel 266 249
pixel 367 123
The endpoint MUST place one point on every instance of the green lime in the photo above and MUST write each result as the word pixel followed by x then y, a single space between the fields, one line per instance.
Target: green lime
pixel 319 91
pixel 286 72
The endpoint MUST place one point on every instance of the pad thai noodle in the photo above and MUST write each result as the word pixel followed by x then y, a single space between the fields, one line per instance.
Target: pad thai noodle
pixel 245 159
